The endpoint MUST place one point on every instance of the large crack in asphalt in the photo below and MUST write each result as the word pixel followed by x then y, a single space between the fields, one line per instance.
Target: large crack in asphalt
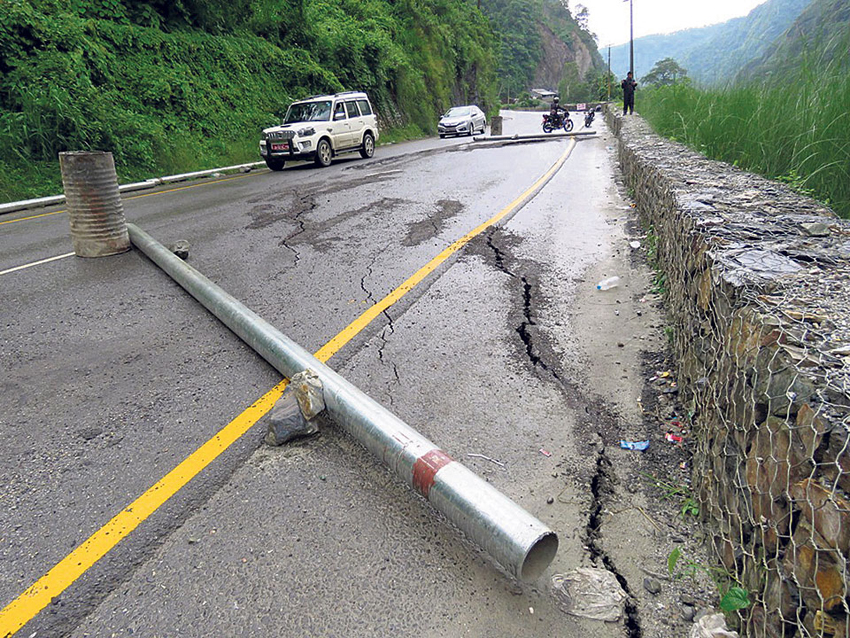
pixel 543 359
pixel 601 489
pixel 306 204
pixel 385 333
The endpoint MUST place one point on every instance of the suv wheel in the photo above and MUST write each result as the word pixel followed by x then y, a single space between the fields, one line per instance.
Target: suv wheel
pixel 324 154
pixel 274 163
pixel 368 149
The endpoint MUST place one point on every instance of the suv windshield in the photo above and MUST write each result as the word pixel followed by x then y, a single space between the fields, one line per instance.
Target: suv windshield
pixel 457 112
pixel 308 112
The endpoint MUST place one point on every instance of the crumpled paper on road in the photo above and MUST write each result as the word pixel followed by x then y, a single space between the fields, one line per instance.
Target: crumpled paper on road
pixel 589 593
pixel 712 626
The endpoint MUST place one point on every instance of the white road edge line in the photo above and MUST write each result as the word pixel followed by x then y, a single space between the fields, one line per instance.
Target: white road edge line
pixel 35 263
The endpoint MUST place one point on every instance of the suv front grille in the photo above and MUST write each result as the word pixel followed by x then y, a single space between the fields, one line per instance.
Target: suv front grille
pixel 280 135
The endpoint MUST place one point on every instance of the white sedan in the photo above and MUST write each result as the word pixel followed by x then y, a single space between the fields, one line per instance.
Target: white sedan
pixel 462 120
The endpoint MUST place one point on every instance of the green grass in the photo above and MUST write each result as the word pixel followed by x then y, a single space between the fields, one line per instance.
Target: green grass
pixel 175 87
pixel 794 128
pixel 43 178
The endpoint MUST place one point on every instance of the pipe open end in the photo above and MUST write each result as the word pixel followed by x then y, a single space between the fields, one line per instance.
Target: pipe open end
pixel 539 556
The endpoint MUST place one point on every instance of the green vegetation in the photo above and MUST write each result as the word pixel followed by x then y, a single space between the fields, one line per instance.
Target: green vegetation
pixel 666 72
pixel 521 26
pixel 796 129
pixel 733 597
pixel 176 86
pixel 680 492
pixel 714 54
pixel 819 32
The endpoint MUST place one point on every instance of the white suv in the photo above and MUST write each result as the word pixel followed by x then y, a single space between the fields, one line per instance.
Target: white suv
pixel 320 128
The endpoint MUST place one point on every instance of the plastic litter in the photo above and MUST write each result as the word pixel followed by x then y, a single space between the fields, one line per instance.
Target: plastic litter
pixel 673 438
pixel 545 452
pixel 589 593
pixel 608 283
pixel 640 446
pixel 634 244
pixel 711 626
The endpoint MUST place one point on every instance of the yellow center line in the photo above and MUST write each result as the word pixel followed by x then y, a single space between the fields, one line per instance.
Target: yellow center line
pixel 26 606
pixel 170 190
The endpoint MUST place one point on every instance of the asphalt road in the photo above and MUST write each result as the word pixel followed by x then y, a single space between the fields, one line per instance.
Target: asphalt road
pixel 113 375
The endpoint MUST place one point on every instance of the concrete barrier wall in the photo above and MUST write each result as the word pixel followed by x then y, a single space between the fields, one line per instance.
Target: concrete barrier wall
pixel 757 284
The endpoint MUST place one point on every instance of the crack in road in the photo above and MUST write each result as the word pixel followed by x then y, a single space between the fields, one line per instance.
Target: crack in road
pixel 600 489
pixel 308 204
pixel 385 333
pixel 525 328
pixel 603 478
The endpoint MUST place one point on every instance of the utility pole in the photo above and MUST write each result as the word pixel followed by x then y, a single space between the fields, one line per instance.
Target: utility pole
pixel 608 77
pixel 632 37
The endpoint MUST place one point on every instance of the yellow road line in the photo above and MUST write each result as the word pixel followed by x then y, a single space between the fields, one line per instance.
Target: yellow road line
pixel 35 263
pixel 170 190
pixel 26 606
pixel 183 188
pixel 24 219
pixel 349 332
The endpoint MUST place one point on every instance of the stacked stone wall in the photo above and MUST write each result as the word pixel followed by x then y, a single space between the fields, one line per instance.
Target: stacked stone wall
pixel 757 284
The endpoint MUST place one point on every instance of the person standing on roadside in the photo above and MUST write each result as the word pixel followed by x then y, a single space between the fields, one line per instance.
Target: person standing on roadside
pixel 629 85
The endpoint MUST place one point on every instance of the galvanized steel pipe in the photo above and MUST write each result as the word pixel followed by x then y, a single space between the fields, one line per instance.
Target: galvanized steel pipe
pixel 517 540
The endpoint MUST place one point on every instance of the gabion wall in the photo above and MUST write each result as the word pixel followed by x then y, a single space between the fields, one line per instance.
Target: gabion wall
pixel 757 282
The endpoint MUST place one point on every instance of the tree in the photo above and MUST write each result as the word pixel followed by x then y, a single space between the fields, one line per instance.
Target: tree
pixel 666 72
pixel 604 85
pixel 582 17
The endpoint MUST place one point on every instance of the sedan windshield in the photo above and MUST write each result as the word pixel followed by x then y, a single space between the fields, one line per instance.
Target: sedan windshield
pixel 308 112
pixel 458 111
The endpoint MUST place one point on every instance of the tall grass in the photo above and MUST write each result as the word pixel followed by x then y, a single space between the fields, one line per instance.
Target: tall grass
pixel 794 127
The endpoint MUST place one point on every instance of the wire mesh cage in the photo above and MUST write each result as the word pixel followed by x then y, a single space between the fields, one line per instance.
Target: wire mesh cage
pixel 757 285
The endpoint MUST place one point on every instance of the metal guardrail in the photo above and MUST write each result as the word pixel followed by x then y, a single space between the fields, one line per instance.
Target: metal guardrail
pixel 41 202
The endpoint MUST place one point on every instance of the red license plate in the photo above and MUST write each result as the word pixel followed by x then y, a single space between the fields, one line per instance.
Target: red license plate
pixel 281 147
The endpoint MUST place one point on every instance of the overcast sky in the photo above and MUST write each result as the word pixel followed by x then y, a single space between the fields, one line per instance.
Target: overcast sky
pixel 609 19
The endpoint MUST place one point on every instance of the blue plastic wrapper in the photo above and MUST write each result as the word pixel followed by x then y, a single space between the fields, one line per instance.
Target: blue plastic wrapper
pixel 634 445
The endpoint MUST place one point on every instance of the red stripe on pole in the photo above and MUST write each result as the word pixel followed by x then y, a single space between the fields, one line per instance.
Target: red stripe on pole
pixel 425 470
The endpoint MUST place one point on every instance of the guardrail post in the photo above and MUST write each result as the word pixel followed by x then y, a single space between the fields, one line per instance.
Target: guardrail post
pixel 496 125
pixel 95 210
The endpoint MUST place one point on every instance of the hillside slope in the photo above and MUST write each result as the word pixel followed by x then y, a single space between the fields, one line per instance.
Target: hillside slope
pixel 714 54
pixel 170 86
pixel 540 46
pixel 819 36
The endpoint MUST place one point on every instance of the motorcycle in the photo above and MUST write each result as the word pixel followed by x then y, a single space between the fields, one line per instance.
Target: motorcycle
pixel 588 118
pixel 553 123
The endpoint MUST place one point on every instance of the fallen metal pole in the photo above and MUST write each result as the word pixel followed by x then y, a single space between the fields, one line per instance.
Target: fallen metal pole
pixel 514 538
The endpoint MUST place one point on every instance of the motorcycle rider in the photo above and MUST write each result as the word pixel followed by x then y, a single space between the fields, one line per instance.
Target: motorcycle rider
pixel 555 113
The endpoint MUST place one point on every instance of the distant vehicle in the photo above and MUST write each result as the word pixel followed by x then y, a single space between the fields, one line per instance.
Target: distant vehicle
pixel 320 128
pixel 462 120
pixel 588 117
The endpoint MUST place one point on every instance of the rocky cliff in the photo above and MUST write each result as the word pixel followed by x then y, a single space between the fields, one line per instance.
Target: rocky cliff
pixel 557 55
pixel 540 45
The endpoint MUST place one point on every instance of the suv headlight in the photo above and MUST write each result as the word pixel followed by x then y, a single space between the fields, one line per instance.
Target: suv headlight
pixel 306 132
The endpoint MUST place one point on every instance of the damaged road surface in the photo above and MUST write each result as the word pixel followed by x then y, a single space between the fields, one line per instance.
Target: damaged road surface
pixel 507 357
